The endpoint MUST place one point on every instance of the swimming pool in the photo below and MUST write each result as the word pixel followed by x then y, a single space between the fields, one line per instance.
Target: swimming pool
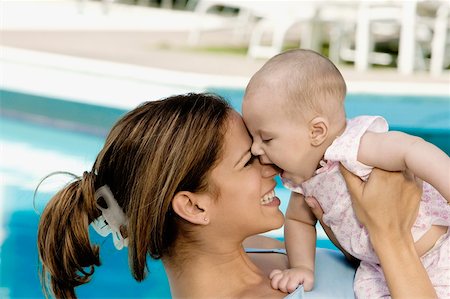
pixel 40 135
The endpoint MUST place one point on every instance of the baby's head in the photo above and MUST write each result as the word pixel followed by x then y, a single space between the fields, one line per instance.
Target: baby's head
pixel 294 108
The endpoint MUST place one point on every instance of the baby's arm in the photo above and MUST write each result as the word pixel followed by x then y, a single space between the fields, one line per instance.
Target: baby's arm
pixel 300 240
pixel 395 151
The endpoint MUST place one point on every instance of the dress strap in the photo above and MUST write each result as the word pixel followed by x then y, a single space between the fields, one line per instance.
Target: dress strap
pixel 266 250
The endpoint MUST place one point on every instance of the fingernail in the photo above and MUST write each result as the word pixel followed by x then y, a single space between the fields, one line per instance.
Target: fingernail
pixel 310 203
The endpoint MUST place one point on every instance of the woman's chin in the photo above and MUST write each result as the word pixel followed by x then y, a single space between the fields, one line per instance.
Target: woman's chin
pixel 277 222
pixel 281 221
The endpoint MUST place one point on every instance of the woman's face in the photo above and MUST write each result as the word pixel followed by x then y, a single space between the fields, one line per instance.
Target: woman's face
pixel 246 203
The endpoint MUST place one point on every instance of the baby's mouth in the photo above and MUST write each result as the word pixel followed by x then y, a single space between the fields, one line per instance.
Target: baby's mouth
pixel 268 198
pixel 278 169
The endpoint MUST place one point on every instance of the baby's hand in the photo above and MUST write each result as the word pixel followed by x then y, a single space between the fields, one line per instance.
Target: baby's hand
pixel 288 280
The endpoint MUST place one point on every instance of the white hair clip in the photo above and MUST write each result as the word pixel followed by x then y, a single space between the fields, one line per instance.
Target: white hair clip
pixel 113 220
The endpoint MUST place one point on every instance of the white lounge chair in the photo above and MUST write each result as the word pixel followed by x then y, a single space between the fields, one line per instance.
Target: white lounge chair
pixel 201 7
pixel 273 19
pixel 401 21
pixel 440 55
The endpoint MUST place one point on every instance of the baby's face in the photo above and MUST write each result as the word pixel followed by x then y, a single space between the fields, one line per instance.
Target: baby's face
pixel 278 137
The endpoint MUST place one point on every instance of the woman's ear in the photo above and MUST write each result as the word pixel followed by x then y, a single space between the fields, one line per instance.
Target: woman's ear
pixel 191 207
pixel 318 130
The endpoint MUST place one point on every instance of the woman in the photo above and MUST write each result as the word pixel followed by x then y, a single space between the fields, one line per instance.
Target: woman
pixel 176 180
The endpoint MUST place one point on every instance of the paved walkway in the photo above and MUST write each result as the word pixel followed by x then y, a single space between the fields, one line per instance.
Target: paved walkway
pixel 137 35
pixel 149 37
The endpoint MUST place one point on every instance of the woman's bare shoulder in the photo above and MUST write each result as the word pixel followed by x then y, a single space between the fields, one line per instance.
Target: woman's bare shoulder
pixel 266 261
pixel 262 290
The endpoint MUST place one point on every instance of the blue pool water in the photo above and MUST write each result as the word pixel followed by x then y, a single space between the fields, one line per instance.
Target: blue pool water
pixel 39 135
pixel 427 117
pixel 33 149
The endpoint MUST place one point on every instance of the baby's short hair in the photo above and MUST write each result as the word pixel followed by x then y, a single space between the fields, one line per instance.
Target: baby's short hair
pixel 312 82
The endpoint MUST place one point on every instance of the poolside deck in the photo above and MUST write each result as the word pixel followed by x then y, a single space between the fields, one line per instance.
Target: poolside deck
pixel 152 38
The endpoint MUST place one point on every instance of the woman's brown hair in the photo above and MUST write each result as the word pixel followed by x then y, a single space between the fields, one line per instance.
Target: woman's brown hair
pixel 153 152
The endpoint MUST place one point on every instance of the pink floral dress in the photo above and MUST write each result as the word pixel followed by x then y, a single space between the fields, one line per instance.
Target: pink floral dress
pixel 328 187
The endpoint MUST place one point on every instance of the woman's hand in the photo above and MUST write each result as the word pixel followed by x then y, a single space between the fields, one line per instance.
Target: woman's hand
pixel 387 205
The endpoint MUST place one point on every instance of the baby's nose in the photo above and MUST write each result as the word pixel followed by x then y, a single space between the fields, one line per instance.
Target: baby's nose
pixel 256 149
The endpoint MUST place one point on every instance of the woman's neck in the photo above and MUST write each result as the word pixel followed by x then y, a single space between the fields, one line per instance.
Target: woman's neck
pixel 213 274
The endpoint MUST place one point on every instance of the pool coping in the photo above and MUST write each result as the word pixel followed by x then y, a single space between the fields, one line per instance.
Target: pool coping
pixel 124 86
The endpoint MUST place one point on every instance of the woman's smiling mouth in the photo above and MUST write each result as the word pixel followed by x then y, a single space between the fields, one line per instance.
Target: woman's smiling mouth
pixel 269 199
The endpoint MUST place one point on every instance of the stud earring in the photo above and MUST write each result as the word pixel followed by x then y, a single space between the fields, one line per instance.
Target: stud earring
pixel 205 219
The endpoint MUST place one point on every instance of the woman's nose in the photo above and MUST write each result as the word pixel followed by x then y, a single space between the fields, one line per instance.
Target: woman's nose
pixel 269 170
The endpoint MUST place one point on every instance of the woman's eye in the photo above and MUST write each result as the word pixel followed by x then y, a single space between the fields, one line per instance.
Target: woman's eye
pixel 250 161
pixel 267 140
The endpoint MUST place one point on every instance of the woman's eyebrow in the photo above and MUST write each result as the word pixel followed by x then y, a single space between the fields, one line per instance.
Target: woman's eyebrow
pixel 242 156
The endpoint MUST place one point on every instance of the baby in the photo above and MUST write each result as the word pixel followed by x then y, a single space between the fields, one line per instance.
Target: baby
pixel 294 109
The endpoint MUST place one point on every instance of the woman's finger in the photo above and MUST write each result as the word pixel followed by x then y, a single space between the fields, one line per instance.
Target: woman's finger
pixel 355 185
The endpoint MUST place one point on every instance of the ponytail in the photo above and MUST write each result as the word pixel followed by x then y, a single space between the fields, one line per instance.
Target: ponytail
pixel 152 153
pixel 65 251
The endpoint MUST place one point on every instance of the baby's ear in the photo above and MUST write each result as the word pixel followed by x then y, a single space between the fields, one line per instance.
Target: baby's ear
pixel 318 130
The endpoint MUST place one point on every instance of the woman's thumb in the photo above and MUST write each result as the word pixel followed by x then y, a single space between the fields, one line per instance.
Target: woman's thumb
pixel 354 184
